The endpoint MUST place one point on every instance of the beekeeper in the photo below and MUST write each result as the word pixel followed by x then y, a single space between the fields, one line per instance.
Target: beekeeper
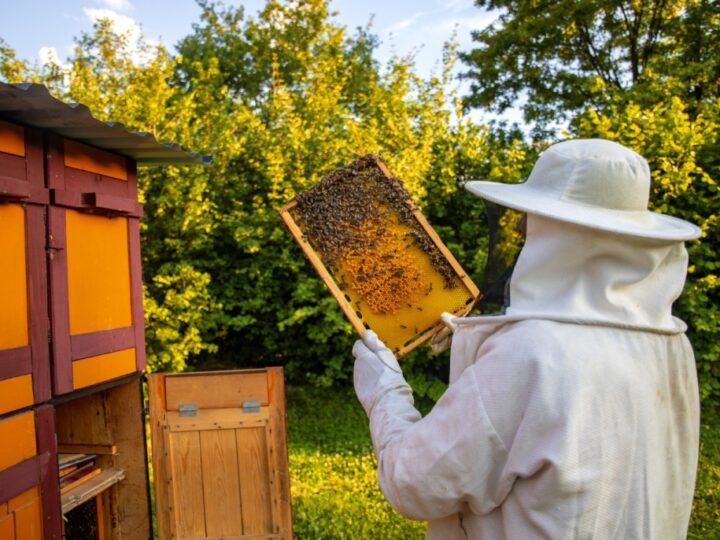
pixel 575 413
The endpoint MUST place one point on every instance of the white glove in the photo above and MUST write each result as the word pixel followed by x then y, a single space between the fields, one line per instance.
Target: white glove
pixel 376 370
pixel 442 339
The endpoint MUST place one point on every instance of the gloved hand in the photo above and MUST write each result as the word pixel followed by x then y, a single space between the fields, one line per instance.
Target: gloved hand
pixel 376 370
pixel 442 339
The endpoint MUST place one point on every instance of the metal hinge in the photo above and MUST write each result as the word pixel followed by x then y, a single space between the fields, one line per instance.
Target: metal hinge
pixel 188 409
pixel 251 406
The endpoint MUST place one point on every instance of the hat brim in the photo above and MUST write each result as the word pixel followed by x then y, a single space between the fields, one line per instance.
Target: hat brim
pixel 642 223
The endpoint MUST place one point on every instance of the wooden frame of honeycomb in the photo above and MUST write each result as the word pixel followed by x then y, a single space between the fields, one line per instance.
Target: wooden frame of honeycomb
pixel 390 271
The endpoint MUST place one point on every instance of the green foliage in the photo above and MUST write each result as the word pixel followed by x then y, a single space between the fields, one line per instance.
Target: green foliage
pixel 567 55
pixel 12 69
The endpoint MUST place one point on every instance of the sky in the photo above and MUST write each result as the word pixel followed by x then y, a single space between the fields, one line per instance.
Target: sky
pixel 39 29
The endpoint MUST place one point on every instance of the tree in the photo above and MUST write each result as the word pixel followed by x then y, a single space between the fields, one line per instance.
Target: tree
pixel 561 57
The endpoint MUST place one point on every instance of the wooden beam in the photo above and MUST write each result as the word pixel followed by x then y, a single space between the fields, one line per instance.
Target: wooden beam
pixel 79 448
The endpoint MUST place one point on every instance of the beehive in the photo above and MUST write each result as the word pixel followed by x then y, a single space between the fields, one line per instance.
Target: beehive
pixel 385 265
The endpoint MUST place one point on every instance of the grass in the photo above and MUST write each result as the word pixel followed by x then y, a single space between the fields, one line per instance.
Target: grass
pixel 334 486
pixel 332 469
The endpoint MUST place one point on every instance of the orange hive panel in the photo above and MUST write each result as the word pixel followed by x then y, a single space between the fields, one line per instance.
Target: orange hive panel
pixel 13 289
pixel 378 255
pixel 12 139
pixel 94 160
pixel 98 272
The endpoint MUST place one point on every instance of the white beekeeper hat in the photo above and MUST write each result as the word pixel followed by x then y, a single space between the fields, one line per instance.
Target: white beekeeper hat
pixel 592 182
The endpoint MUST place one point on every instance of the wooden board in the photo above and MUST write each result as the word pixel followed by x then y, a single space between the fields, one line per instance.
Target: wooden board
pixel 229 389
pixel 96 295
pixel 84 491
pixel 12 139
pixel 414 318
pixel 98 271
pixel 86 158
pixel 24 352
pixel 18 436
pixel 20 517
pixel 13 287
pixel 222 472
pixel 112 421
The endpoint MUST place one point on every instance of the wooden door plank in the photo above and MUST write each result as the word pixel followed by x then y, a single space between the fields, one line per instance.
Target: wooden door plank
pixel 221 488
pixel 254 481
pixel 214 419
pixel 186 466
pixel 18 436
pixel 277 432
pixel 219 390
pixel 163 499
pixel 28 522
pixel 7 527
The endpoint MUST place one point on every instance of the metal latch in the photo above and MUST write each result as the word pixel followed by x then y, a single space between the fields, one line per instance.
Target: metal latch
pixel 251 406
pixel 188 409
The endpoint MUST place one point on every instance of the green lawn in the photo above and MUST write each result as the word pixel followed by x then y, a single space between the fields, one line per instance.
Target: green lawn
pixel 334 487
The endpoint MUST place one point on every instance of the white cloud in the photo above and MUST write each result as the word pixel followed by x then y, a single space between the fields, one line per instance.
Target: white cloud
pixel 125 26
pixel 48 55
pixel 406 23
pixel 122 24
pixel 456 5
pixel 118 5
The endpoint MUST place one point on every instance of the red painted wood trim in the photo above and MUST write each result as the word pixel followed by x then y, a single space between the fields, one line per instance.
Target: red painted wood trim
pixel 59 314
pixel 105 341
pixel 12 188
pixel 19 478
pixel 39 324
pixel 15 362
pixel 132 181
pixel 23 178
pixel 54 162
pixel 34 162
pixel 49 483
pixel 13 166
pixel 87 182
pixel 96 202
pixel 136 292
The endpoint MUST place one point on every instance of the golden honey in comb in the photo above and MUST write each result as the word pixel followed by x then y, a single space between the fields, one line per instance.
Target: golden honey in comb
pixel 370 237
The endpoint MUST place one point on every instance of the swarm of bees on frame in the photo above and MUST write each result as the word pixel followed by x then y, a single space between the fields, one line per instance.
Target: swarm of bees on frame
pixel 361 223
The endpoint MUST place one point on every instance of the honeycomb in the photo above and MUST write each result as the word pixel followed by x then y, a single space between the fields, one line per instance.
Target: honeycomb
pixel 380 258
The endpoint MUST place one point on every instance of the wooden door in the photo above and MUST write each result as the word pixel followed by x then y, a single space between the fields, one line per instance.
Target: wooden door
pixel 219 449
pixel 24 373
pixel 28 476
pixel 94 262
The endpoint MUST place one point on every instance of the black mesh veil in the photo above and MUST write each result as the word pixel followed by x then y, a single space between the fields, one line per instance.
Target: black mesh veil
pixel 506 237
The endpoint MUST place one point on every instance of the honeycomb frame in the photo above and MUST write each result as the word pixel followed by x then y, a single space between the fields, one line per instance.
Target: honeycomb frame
pixel 353 313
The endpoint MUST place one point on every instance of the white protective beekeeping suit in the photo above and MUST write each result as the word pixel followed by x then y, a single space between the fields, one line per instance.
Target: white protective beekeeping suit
pixel 575 414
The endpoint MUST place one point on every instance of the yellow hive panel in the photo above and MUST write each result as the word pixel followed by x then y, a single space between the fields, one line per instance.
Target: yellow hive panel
pixel 13 288
pixel 98 272
pixel 381 260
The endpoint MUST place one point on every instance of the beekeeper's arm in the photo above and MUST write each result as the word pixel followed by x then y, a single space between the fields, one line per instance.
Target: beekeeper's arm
pixel 428 467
